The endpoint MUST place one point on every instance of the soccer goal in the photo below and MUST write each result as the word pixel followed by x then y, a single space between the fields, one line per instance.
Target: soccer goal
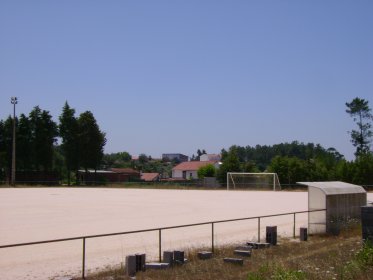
pixel 255 181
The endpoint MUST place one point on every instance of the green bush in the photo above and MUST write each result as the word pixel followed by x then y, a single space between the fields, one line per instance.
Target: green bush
pixel 206 171
pixel 365 256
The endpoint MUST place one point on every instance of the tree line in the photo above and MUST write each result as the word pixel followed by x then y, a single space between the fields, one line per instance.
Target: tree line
pixel 82 142
pixel 81 145
pixel 318 165
pixel 294 162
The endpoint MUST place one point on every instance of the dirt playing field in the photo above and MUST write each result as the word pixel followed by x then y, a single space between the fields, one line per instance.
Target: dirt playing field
pixel 35 214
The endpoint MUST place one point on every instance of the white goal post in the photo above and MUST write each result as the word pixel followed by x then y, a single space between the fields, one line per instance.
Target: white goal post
pixel 259 181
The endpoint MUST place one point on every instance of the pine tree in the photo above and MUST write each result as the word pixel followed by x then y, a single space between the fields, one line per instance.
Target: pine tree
pixel 361 138
pixel 68 130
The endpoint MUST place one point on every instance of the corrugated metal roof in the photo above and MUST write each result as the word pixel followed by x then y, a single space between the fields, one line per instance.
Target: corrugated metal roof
pixel 335 187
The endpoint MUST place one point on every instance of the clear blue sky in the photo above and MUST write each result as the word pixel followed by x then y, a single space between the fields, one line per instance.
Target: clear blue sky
pixel 175 76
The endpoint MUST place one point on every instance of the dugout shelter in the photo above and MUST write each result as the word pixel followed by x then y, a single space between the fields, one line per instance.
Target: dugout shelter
pixel 341 200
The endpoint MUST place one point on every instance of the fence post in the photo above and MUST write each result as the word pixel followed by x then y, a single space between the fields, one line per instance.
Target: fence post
pixel 83 265
pixel 160 245
pixel 259 229
pixel 212 237
pixel 294 227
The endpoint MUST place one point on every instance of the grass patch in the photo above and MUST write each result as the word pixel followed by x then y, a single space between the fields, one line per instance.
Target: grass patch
pixel 322 257
pixel 365 256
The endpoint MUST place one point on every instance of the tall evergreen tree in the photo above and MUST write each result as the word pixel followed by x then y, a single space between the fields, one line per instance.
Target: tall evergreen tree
pixel 359 110
pixel 68 131
pixel 24 145
pixel 92 141
pixel 6 130
pixel 43 137
pixel 2 152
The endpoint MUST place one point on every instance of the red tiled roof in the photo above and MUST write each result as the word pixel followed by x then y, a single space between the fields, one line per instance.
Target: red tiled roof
pixel 192 165
pixel 125 171
pixel 148 177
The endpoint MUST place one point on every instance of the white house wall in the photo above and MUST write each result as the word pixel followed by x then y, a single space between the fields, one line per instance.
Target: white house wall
pixel 190 174
pixel 204 157
pixel 177 174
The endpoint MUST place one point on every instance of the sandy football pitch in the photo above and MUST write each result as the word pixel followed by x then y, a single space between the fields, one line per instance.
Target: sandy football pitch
pixel 36 214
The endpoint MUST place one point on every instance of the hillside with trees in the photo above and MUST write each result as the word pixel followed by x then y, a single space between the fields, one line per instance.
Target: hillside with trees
pixel 294 162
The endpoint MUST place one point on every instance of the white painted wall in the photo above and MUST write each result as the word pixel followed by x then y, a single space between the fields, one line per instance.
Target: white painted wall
pixel 177 174
pixel 204 157
pixel 193 173
pixel 189 174
pixel 209 157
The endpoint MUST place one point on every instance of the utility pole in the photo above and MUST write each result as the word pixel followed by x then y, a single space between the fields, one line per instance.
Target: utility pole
pixel 14 101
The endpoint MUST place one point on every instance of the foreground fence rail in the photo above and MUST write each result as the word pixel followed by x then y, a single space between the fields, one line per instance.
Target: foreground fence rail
pixel 159 230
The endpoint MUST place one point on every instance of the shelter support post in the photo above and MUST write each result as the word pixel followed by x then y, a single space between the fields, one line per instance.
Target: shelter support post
pixel 83 264
pixel 160 245
pixel 212 237
pixel 294 227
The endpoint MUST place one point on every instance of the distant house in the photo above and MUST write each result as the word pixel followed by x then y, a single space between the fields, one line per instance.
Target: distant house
pixel 210 157
pixel 188 170
pixel 126 174
pixel 114 175
pixel 150 177
pixel 175 157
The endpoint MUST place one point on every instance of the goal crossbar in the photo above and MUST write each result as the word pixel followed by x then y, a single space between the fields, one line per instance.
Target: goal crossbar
pixel 230 175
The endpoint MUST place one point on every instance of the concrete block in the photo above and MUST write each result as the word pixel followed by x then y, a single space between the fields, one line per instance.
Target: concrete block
pixel 140 262
pixel 303 234
pixel 179 257
pixel 253 245
pixel 157 266
pixel 242 253
pixel 204 255
pixel 130 268
pixel 244 248
pixel 367 223
pixel 257 245
pixel 234 261
pixel 263 245
pixel 271 235
pixel 168 257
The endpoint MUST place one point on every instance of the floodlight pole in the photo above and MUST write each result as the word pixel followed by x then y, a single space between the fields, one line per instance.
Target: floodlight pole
pixel 14 101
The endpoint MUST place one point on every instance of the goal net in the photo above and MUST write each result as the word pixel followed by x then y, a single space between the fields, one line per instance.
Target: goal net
pixel 254 181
